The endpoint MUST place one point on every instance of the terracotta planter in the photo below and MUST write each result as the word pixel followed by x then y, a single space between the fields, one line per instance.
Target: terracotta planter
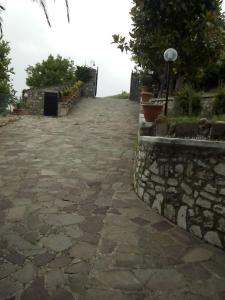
pixel 20 111
pixel 145 97
pixel 151 111
pixel 77 94
pixel 66 98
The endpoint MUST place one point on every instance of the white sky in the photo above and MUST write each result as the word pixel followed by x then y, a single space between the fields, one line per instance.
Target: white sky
pixel 87 37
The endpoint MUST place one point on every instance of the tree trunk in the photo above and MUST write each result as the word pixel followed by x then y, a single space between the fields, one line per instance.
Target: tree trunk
pixel 179 82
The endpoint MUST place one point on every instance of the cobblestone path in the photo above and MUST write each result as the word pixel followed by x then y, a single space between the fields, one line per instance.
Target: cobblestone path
pixel 71 226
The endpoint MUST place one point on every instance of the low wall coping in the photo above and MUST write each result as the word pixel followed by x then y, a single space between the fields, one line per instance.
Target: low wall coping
pixel 182 142
pixel 143 123
pixel 162 99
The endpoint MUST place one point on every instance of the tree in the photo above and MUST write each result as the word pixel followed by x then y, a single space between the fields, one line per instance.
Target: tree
pixel 44 7
pixel 194 28
pixel 7 93
pixel 51 72
pixel 83 73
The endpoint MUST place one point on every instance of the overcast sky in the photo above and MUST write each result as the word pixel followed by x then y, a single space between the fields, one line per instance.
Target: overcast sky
pixel 88 37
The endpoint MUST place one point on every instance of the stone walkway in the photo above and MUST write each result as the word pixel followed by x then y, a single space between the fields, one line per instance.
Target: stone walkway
pixel 71 226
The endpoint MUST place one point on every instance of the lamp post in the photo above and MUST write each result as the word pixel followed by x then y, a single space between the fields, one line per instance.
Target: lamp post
pixel 170 55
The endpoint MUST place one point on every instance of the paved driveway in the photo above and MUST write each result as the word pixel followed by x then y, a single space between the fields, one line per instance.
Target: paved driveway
pixel 71 226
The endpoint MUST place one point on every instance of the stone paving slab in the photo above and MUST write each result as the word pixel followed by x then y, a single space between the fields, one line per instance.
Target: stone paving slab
pixel 71 226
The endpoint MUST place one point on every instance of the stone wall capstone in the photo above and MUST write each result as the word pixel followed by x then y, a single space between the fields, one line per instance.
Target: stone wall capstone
pixel 184 180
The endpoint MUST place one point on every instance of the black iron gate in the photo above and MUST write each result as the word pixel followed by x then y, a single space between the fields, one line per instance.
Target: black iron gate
pixel 51 104
pixel 135 87
pixel 96 82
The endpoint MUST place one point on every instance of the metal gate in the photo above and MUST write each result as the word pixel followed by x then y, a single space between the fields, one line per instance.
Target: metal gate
pixel 96 82
pixel 135 87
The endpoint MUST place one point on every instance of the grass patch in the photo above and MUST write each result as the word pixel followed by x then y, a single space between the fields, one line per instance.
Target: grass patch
pixel 194 119
pixel 122 95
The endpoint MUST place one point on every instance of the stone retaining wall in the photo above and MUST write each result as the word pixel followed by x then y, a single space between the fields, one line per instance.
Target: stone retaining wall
pixel 203 130
pixel 184 180
pixel 35 101
pixel 65 107
pixel 206 104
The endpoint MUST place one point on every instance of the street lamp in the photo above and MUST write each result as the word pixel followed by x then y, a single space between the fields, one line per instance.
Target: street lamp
pixel 170 55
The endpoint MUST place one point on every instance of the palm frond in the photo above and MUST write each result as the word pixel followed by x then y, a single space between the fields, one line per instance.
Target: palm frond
pixel 44 7
pixel 1 31
pixel 68 10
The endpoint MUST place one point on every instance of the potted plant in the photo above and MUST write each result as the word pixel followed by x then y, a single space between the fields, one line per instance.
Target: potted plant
pixel 77 88
pixel 145 79
pixel 20 108
pixel 66 94
pixel 151 111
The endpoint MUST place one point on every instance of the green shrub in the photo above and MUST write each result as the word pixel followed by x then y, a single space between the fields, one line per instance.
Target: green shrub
pixel 19 105
pixel 219 102
pixel 78 84
pixel 83 73
pixel 67 91
pixel 145 79
pixel 187 101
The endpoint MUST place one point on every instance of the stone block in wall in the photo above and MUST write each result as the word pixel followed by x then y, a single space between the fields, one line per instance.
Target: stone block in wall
pixel 146 198
pixel 210 189
pixel 170 212
pixel 188 200
pixel 179 168
pixel 157 179
pixel 203 203
pixel 196 230
pixel 220 168
pixel 210 197
pixel 222 192
pixel 190 169
pixel 209 219
pixel 154 168
pixel 172 182
pixel 182 217
pixel 212 237
pixel 221 225
pixel 157 204
pixel 219 209
pixel 186 188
